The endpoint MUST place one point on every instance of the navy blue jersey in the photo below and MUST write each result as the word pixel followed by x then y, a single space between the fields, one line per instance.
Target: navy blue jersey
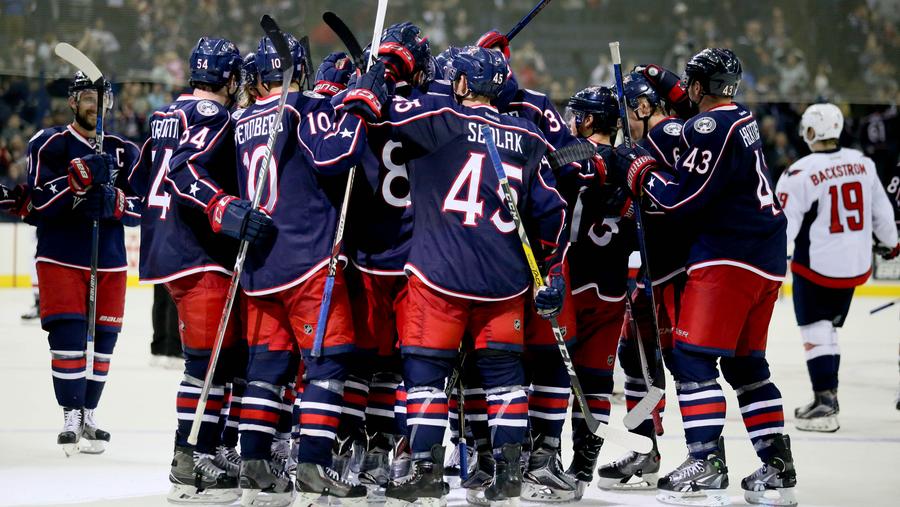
pixel 538 108
pixel 464 242
pixel 721 190
pixel 63 231
pixel 305 186
pixel 667 243
pixel 188 160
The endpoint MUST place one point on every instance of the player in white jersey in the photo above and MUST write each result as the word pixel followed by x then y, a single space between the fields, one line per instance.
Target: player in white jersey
pixel 834 202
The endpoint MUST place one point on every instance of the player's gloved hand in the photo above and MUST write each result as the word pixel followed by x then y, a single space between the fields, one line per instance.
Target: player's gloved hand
pixel 368 95
pixel 90 170
pixel 494 40
pixel 398 61
pixel 21 206
pixel 236 218
pixel 886 252
pixel 104 202
pixel 548 300
pixel 334 74
pixel 615 202
pixel 627 166
pixel 669 85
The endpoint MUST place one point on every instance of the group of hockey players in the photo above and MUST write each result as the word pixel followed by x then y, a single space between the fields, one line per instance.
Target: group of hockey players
pixel 433 320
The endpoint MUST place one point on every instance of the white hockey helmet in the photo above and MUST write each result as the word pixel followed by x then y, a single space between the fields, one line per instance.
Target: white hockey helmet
pixel 820 122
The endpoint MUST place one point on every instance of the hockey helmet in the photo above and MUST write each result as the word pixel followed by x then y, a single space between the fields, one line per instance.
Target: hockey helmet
pixel 405 41
pixel 820 122
pixel 442 61
pixel 600 102
pixel 485 70
pixel 718 71
pixel 636 86
pixel 249 72
pixel 269 64
pixel 214 61
pixel 80 82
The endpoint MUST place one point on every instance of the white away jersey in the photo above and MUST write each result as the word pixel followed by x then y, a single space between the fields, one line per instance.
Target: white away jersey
pixel 834 202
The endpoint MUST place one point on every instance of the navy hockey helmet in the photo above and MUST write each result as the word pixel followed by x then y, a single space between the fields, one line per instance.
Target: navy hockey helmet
pixel 636 86
pixel 249 72
pixel 718 71
pixel 80 82
pixel 268 63
pixel 599 102
pixel 214 61
pixel 442 61
pixel 485 70
pixel 405 41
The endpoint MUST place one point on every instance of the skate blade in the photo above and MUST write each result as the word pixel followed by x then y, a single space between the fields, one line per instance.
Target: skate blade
pixel 707 498
pixel 189 495
pixel 827 424
pixel 70 449
pixel 633 483
pixel 257 498
pixel 778 496
pixel 421 502
pixel 476 497
pixel 532 492
pixel 87 446
pixel 506 502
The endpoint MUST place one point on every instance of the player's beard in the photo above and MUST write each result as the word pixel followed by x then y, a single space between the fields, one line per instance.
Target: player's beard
pixel 84 119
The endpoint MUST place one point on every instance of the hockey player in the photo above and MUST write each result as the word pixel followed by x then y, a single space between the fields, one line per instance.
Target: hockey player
pixel 834 202
pixel 721 188
pixel 72 187
pixel 283 278
pixel 466 268
pixel 188 243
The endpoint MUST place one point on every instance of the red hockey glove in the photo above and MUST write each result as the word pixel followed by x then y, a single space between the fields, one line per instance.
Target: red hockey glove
pixel 22 206
pixel 398 60
pixel 236 218
pixel 669 85
pixel 627 166
pixel 886 252
pixel 90 170
pixel 368 95
pixel 494 40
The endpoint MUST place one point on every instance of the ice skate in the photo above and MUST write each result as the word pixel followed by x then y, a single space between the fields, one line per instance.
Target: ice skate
pixel 340 458
pixel 375 468
pixel 584 461
pixel 228 459
pixel 773 483
pixel 314 481
pixel 196 479
pixel 34 313
pixel 425 487
pixel 401 466
pixel 506 487
pixel 630 472
pixel 73 429
pixel 819 415
pixel 697 481
pixel 93 439
pixel 479 478
pixel 264 484
pixel 897 399
pixel 545 480
pixel 281 455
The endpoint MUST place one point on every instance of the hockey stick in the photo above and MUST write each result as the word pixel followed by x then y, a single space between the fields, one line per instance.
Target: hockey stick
pixel 884 306
pixel 307 62
pixel 571 153
pixel 632 441
pixel 463 445
pixel 322 323
pixel 527 19
pixel 344 33
pixel 78 59
pixel 287 63
pixel 657 390
pixel 646 406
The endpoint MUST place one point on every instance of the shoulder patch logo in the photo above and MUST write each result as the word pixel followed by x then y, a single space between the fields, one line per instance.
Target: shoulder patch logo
pixel 672 128
pixel 313 95
pixel 236 115
pixel 705 125
pixel 207 108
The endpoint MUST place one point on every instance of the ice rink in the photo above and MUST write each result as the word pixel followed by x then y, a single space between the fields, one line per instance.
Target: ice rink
pixel 857 466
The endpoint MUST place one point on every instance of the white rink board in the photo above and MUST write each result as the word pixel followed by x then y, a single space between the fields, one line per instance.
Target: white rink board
pixel 856 466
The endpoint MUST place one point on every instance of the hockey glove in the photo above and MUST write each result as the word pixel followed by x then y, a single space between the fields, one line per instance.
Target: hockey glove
pixel 627 166
pixel 90 170
pixel 887 253
pixel 236 218
pixel 548 300
pixel 669 85
pixel 333 74
pixel 104 202
pixel 398 61
pixel 366 98
pixel 494 40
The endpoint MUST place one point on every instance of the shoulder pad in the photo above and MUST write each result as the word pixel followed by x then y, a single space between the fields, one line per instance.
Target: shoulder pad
pixel 37 134
pixel 533 92
pixel 208 108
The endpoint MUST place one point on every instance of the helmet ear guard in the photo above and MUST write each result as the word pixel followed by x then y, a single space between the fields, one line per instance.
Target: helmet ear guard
pixel 825 121
pixel 718 71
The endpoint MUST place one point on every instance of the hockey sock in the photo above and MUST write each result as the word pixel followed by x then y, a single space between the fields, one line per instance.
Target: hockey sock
pixel 67 362
pixel 453 405
pixel 548 401
pixel 636 387
pixel 700 399
pixel 400 411
pixel 286 419
pixel 233 415
pixel 759 398
pixel 104 343
pixel 597 387
pixel 353 413
pixel 380 406
pixel 502 375
pixel 186 403
pixel 261 409
pixel 426 403
pixel 476 407
pixel 822 354
pixel 299 386
pixel 321 407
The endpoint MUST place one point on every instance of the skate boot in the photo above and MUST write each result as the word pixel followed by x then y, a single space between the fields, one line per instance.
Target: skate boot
pixel 425 487
pixel 697 481
pixel 773 483
pixel 264 484
pixel 315 480
pixel 544 479
pixel 33 313
pixel 584 461
pixel 281 455
pixel 479 478
pixel 630 472
pixel 228 459
pixel 820 414
pixel 93 439
pixel 897 399
pixel 196 479
pixel 401 466
pixel 73 429
pixel 375 469
pixel 506 488
pixel 340 456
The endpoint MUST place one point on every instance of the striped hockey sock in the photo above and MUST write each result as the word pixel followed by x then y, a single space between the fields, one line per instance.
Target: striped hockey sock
pixel 597 391
pixel 320 415
pixel 186 404
pixel 67 367
pixel 380 407
pixel 476 408
pixel 547 408
pixel 507 409
pixel 703 412
pixel 261 409
pixel 400 411
pixel 635 390
pixel 233 412
pixel 763 414
pixel 426 419
pixel 104 343
pixel 353 413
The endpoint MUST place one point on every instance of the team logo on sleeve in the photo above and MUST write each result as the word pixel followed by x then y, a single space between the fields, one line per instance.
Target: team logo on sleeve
pixel 705 125
pixel 313 95
pixel 207 108
pixel 307 328
pixel 674 129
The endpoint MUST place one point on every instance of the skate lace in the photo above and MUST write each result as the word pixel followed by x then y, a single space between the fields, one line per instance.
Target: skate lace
pixel 336 477
pixel 626 459
pixel 204 463
pixel 688 469
pixel 89 420
pixel 230 455
pixel 73 420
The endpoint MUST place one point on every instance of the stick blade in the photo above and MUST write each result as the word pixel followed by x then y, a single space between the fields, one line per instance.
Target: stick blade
pixel 78 59
pixel 643 409
pixel 344 33
pixel 278 40
pixel 572 153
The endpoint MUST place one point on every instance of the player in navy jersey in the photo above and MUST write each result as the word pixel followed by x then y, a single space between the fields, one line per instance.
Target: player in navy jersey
pixel 59 158
pixel 466 268
pixel 722 190
pixel 283 279
pixel 189 234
